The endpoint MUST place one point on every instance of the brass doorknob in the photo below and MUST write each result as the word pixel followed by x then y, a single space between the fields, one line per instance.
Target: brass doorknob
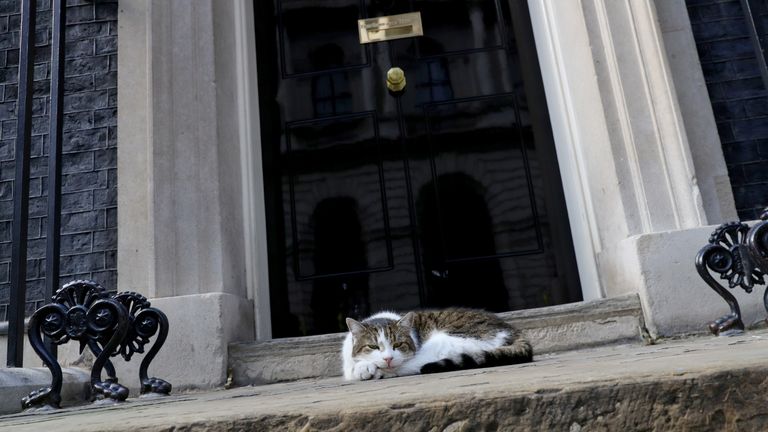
pixel 395 79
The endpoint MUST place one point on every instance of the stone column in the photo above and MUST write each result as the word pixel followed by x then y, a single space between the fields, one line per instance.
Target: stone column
pixel 641 183
pixel 180 211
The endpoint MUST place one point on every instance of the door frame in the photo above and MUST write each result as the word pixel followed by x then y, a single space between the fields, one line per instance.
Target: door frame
pixel 564 118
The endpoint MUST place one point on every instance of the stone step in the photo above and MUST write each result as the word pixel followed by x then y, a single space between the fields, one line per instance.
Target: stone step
pixel 703 383
pixel 550 329
pixel 17 383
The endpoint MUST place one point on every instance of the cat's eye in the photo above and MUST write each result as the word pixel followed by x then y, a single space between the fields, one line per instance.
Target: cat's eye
pixel 398 345
pixel 373 347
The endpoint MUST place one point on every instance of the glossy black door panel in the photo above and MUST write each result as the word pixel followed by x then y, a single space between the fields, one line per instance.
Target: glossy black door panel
pixel 338 205
pixel 314 36
pixel 476 153
pixel 440 195
pixel 457 26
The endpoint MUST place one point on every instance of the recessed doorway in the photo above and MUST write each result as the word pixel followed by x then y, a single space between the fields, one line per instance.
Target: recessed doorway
pixel 439 195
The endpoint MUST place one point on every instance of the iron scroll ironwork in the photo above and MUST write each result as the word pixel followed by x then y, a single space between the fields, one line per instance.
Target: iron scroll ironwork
pixel 109 326
pixel 738 254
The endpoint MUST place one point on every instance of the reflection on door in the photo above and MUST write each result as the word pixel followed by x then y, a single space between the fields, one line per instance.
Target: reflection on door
pixel 455 222
pixel 437 196
pixel 338 249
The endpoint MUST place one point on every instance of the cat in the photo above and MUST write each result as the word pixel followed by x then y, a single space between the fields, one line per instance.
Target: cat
pixel 387 344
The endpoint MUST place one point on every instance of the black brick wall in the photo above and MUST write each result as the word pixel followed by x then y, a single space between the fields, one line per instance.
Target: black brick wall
pixel 89 183
pixel 739 97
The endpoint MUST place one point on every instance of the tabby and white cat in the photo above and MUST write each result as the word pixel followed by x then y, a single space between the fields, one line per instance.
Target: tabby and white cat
pixel 387 344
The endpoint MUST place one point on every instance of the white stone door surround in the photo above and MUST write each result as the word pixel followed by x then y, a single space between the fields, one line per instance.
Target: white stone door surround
pixel 191 217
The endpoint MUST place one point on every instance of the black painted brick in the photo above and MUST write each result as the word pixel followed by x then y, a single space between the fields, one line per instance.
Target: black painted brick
pixel 103 198
pixel 89 262
pixel 82 222
pixel 83 181
pixel 112 136
pixel 105 11
pixel 89 141
pixel 102 240
pixel 77 162
pixel 81 48
pixel 739 97
pixel 35 228
pixel 106 158
pixel 6 170
pixel 105 81
pixel 732 28
pixel 725 49
pixel 78 201
pixel 111 259
pixel 84 140
pixel 111 217
pixel 87 31
pixel 106 45
pixel 6 191
pixel 78 121
pixel 86 101
pixel 36 248
pixel 86 65
pixel 80 14
pixel 76 243
pixel 7 148
pixel 80 84
pixel 105 117
pixel 108 277
pixel 718 11
pixel 112 177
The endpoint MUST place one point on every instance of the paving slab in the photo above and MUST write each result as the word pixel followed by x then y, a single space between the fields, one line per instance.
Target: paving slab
pixel 702 383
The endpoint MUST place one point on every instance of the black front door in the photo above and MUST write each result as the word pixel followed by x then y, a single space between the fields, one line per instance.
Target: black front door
pixel 445 194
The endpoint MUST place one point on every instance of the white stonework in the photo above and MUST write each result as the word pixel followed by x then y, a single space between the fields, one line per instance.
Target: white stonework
pixel 675 299
pixel 195 355
pixel 693 98
pixel 181 230
pixel 17 383
pixel 68 355
pixel 638 148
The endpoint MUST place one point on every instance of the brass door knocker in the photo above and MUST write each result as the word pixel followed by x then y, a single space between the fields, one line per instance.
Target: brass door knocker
pixel 395 79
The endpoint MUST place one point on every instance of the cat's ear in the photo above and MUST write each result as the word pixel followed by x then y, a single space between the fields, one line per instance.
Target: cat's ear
pixel 407 320
pixel 355 327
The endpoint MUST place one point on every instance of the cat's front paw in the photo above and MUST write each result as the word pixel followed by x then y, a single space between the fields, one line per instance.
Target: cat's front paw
pixel 365 371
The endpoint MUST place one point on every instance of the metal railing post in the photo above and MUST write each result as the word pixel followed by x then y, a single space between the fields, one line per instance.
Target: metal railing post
pixel 17 301
pixel 53 238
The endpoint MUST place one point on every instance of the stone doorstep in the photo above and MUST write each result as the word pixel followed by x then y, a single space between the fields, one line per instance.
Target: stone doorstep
pixel 17 383
pixel 697 383
pixel 550 329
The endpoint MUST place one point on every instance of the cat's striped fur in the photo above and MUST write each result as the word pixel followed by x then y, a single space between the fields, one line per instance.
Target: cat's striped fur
pixel 387 344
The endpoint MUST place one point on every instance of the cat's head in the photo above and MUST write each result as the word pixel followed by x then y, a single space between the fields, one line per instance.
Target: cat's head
pixel 388 343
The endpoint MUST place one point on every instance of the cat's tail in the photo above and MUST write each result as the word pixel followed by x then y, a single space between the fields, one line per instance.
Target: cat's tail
pixel 517 350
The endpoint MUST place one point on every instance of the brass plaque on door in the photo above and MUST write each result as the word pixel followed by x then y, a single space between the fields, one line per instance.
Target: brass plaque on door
pixel 390 27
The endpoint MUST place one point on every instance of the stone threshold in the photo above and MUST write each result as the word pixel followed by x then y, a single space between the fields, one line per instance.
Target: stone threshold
pixel 17 383
pixel 696 383
pixel 550 329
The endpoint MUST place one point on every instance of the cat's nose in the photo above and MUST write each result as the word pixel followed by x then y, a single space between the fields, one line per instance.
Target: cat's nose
pixel 388 360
